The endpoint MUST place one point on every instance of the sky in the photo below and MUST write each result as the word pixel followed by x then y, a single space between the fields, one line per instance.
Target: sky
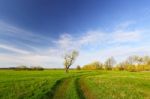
pixel 40 32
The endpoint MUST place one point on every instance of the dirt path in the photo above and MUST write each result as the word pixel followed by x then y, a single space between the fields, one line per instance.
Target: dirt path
pixel 60 89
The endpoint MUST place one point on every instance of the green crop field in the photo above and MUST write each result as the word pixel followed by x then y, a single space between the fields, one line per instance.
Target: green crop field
pixel 81 84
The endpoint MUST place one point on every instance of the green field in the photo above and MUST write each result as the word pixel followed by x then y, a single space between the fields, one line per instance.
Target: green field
pixel 55 84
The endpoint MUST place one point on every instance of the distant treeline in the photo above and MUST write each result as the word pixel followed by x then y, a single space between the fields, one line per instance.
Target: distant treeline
pixel 26 68
pixel 32 68
pixel 132 63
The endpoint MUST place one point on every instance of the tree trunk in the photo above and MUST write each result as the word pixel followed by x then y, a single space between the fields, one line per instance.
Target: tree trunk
pixel 66 70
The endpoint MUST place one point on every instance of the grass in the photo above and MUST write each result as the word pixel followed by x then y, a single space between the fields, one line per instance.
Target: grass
pixel 27 84
pixel 120 85
pixel 55 84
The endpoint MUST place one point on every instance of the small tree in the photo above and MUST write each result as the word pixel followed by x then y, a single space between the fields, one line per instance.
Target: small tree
pixel 69 59
pixel 130 60
pixel 78 67
pixel 109 63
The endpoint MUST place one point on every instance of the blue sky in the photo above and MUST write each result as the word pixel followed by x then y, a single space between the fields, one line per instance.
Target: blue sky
pixel 39 32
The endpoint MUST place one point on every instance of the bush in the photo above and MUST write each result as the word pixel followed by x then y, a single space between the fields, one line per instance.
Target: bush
pixel 131 68
pixel 93 66
pixel 78 67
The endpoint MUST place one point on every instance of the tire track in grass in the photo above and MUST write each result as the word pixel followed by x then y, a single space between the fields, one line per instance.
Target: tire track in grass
pixel 50 94
pixel 78 89
pixel 61 89
pixel 83 90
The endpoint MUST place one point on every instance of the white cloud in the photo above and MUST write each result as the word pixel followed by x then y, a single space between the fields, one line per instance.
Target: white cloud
pixel 92 37
pixel 124 25
pixel 120 53
pixel 31 60
pixel 130 36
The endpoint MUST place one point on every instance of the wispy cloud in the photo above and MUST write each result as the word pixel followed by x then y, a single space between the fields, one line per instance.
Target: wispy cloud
pixel 119 43
pixel 97 38
pixel 130 36
pixel 21 37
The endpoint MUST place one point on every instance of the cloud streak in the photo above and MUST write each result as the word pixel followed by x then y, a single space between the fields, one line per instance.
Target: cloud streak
pixel 21 37
pixel 13 49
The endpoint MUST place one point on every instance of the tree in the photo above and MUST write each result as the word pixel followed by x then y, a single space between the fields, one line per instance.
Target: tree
pixel 130 60
pixel 138 60
pixel 98 65
pixel 146 60
pixel 69 59
pixel 109 63
pixel 135 60
pixel 121 66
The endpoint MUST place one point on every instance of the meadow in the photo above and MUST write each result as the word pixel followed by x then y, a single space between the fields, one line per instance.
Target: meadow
pixel 77 84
